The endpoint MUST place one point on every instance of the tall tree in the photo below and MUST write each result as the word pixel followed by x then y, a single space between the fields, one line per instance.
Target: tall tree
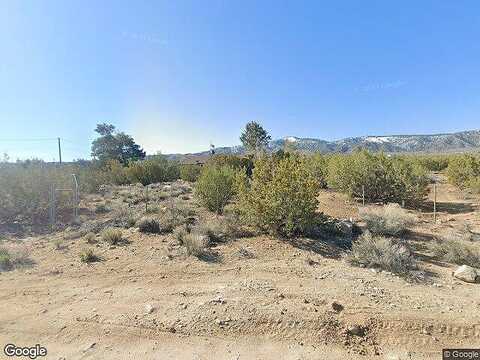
pixel 255 138
pixel 111 145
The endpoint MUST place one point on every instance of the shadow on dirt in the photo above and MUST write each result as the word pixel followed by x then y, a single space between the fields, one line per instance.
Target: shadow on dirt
pixel 332 248
pixel 448 207
pixel 210 256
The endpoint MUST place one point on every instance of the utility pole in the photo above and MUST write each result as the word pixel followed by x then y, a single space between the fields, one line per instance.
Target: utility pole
pixel 59 151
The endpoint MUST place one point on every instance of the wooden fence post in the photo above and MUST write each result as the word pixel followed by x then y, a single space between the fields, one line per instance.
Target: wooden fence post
pixel 435 202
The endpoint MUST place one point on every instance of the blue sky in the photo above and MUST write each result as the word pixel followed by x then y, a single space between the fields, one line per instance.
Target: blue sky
pixel 179 74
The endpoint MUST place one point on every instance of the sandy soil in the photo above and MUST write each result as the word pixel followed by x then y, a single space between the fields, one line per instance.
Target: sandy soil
pixel 148 300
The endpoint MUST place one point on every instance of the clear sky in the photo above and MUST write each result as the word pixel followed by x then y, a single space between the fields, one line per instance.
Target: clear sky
pixel 179 74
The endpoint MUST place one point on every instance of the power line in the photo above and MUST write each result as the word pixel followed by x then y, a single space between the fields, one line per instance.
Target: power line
pixel 38 139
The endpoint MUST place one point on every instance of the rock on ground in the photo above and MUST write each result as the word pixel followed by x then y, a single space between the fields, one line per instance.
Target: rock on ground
pixel 467 274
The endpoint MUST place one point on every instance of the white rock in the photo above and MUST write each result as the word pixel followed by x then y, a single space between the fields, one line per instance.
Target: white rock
pixel 149 308
pixel 467 274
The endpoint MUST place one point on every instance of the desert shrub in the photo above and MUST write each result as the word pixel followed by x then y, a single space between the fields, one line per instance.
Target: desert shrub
pixel 236 162
pixel 90 238
pixel 5 260
pixel 432 162
pixel 13 255
pixel 152 209
pixel 58 243
pixel 195 244
pixel 384 179
pixel 281 197
pixel 24 191
pixel 190 172
pixel 112 236
pixel 154 170
pixel 453 248
pixel 116 173
pixel 149 225
pixel 215 187
pixel 125 217
pixel 383 253
pixel 222 228
pixel 474 185
pixel 318 165
pixel 101 209
pixel 180 233
pixel 390 219
pixel 88 256
pixel 462 170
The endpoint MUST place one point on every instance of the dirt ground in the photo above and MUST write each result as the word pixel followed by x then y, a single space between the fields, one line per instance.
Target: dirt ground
pixel 148 300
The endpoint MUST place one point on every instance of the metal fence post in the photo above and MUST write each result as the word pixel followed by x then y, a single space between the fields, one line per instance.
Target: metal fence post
pixel 53 210
pixel 76 197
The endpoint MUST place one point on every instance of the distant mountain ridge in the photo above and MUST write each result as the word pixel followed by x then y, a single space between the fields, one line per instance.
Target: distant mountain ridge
pixel 435 143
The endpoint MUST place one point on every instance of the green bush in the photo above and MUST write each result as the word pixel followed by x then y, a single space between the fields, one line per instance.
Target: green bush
pixel 190 172
pixel 281 197
pixel 318 165
pixel 463 170
pixel 432 162
pixel 116 173
pixel 215 187
pixel 235 162
pixel 156 169
pixel 384 179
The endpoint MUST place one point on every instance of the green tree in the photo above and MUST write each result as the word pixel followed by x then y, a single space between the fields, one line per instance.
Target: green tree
pixel 255 138
pixel 281 197
pixel 111 145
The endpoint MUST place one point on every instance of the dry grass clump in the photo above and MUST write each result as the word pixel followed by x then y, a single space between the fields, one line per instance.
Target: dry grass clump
pixel 90 238
pixel 101 209
pixel 223 228
pixel 390 219
pixel 383 253
pixel 5 260
pixel 125 217
pixel 88 256
pixel 194 242
pixel 149 225
pixel 13 256
pixel 453 248
pixel 58 243
pixel 112 236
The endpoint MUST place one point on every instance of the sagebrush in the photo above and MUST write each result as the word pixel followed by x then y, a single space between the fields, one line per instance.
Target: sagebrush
pixel 382 253
pixel 456 249
pixel 390 219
